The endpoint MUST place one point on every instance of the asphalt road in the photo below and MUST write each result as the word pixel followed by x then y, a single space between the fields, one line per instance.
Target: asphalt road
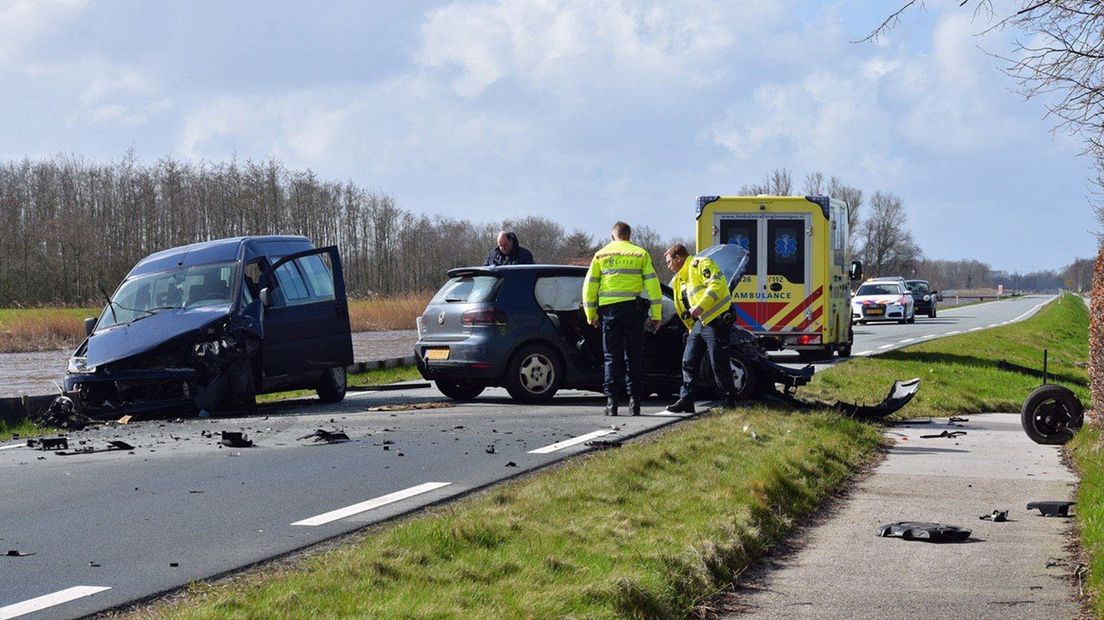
pixel 112 527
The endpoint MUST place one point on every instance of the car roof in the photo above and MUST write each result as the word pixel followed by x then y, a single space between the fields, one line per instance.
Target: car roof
pixel 214 251
pixel 910 281
pixel 506 270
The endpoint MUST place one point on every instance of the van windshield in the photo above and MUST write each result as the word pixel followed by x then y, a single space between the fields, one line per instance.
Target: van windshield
pixel 467 289
pixel 186 287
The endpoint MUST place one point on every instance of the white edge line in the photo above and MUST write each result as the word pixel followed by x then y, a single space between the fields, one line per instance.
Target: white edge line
pixel 14 445
pixel 49 600
pixel 862 354
pixel 567 443
pixel 975 329
pixel 365 506
pixel 906 341
pixel 954 333
pixel 886 346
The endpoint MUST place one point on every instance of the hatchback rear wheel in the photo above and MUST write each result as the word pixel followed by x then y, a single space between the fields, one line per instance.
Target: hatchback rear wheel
pixel 459 390
pixel 535 374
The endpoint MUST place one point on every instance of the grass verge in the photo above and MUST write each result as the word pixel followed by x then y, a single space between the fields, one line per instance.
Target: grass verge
pixel 1087 452
pixel 649 530
pixel 965 373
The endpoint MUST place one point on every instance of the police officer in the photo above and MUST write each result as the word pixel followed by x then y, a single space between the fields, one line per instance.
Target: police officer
pixel 702 301
pixel 619 273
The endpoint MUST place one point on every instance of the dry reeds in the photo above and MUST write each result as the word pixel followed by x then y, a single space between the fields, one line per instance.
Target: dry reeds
pixel 41 330
pixel 387 313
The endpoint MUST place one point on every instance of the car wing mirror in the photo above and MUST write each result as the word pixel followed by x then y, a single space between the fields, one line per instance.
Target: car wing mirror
pixel 856 271
pixel 90 325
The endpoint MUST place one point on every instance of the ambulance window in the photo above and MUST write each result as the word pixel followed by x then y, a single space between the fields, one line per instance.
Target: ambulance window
pixel 743 232
pixel 839 238
pixel 786 250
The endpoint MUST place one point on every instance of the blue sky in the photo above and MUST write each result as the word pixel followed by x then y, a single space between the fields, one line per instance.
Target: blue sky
pixel 582 111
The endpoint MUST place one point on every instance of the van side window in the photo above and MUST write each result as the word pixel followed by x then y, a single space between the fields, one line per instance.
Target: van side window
pixel 292 287
pixel 319 276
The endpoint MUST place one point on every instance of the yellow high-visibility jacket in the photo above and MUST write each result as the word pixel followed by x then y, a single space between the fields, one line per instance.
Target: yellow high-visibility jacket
pixel 620 272
pixel 705 287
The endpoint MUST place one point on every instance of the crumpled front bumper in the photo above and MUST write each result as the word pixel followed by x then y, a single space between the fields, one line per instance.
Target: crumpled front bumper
pixel 105 396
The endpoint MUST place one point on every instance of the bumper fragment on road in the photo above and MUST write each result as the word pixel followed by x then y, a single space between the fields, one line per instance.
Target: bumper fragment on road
pixel 48 600
pixel 567 443
pixel 355 509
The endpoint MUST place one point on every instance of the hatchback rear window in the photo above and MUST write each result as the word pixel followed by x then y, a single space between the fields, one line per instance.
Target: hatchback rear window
pixel 468 289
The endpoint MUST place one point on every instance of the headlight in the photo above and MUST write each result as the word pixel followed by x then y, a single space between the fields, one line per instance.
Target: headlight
pixel 203 348
pixel 79 366
pixel 927 297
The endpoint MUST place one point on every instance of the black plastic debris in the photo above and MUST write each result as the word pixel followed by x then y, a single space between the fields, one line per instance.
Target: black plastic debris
pixel 234 439
pixel 511 464
pixel 490 449
pixel 997 516
pixel 324 436
pixel 604 444
pixel 112 446
pixel 1051 509
pixel 95 564
pixel 931 532
pixel 49 443
pixel 16 553
pixel 958 419
pixel 947 434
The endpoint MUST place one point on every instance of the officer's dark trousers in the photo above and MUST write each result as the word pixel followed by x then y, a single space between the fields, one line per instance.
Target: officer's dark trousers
pixel 714 339
pixel 623 343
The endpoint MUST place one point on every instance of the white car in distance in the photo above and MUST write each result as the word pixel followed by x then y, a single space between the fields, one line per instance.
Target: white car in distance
pixel 883 299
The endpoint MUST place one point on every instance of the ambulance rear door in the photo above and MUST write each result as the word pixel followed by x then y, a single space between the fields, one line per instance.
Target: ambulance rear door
pixel 778 278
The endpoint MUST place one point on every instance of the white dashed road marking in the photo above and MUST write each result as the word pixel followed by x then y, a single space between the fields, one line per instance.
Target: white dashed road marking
pixel 48 600
pixel 567 443
pixel 861 354
pixel 886 346
pixel 14 445
pixel 906 341
pixel 952 333
pixel 390 498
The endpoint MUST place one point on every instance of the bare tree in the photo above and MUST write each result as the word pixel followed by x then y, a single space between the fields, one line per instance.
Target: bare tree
pixel 888 248
pixel 779 183
pixel 814 184
pixel 853 196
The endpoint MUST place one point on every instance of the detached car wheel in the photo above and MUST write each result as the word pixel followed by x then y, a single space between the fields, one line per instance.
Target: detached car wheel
pixel 459 390
pixel 1051 415
pixel 331 389
pixel 744 376
pixel 535 374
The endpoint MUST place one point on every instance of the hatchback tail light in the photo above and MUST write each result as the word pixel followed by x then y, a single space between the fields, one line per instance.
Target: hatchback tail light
pixel 808 339
pixel 483 316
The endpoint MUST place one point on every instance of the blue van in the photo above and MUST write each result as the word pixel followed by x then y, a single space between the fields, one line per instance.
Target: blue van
pixel 208 326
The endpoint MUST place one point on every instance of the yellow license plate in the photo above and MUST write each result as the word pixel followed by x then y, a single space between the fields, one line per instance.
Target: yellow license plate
pixel 875 311
pixel 437 354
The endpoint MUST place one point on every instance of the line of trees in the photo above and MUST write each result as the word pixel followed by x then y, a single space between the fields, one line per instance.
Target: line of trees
pixel 69 227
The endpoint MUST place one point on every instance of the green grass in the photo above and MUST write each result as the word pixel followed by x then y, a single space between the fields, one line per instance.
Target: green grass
pixel 372 377
pixel 649 530
pixel 963 374
pixel 23 428
pixel 1087 450
pixel 12 315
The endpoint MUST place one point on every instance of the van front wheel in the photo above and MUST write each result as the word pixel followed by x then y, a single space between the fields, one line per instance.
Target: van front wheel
pixel 331 388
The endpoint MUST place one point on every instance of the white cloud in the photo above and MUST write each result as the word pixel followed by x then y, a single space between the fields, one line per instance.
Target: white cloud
pixel 21 21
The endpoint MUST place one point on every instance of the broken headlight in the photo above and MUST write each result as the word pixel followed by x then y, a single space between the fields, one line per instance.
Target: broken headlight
pixel 79 366
pixel 213 347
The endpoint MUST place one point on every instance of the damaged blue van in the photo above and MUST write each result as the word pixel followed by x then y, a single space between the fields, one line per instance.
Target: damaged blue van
pixel 208 326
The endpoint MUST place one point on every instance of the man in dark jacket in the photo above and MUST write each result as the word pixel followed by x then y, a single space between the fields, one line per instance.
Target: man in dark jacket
pixel 508 252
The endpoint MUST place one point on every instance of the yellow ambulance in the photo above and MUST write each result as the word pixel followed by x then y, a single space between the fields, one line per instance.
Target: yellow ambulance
pixel 796 290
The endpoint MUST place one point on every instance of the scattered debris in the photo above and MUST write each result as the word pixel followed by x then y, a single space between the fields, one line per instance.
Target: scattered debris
pixel 232 439
pixel 1052 508
pixel 947 434
pixel 112 446
pixel 490 449
pixel 1052 562
pixel 958 419
pixel 125 419
pixel 410 406
pixel 604 443
pixel 511 464
pixel 324 436
pixel 95 564
pixel 15 553
pixel 49 443
pixel 918 530
pixel 174 564
pixel 997 516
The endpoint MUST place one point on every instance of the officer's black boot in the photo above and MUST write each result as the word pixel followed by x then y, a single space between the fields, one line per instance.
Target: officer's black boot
pixel 611 405
pixel 682 405
pixel 634 405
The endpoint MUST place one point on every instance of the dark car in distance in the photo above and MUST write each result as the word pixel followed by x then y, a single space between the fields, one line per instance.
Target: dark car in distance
pixel 523 328
pixel 925 300
pixel 208 326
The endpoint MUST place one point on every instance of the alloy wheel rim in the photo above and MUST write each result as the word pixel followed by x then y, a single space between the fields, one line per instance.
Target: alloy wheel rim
pixel 537 373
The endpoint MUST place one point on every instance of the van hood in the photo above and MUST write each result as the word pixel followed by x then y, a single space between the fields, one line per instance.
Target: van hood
pixel 137 337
